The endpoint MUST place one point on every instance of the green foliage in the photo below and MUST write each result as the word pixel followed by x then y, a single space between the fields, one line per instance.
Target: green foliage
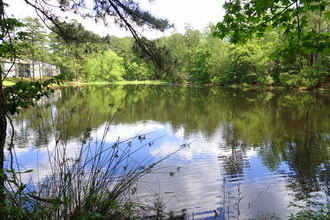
pixel 313 210
pixel 125 13
pixel 36 38
pixel 310 77
pixel 8 34
pixel 136 71
pixel 291 32
pixel 267 80
pixel 199 72
pixel 24 94
pixel 135 67
pixel 192 57
pixel 289 80
pixel 307 77
pixel 177 57
pixel 245 20
pixel 105 66
pixel 238 69
pixel 72 50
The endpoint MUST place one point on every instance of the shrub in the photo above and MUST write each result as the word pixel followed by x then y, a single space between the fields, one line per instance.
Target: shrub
pixel 307 77
pixel 267 80
pixel 310 77
pixel 288 80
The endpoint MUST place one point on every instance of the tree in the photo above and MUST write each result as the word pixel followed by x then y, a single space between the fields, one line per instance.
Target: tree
pixel 300 54
pixel 62 57
pixel 135 67
pixel 247 19
pixel 199 72
pixel 176 44
pixel 105 66
pixel 35 39
pixel 179 51
pixel 76 48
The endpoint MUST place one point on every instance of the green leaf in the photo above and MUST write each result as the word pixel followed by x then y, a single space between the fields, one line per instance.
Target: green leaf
pixel 327 15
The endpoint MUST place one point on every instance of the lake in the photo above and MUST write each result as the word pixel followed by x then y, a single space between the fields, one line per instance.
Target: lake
pixel 252 151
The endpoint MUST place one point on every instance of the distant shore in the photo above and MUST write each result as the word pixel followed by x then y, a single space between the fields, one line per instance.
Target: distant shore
pixel 12 81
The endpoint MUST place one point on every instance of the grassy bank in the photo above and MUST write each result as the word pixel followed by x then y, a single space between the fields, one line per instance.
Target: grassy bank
pixel 244 86
pixel 8 83
pixel 124 82
pixel 12 81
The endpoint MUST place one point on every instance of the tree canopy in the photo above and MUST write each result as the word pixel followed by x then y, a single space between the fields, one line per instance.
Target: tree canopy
pixel 126 13
pixel 304 23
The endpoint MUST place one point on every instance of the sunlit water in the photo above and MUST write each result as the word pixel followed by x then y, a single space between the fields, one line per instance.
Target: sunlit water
pixel 250 153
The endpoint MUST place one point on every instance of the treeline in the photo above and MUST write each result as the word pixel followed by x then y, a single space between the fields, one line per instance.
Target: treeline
pixel 192 57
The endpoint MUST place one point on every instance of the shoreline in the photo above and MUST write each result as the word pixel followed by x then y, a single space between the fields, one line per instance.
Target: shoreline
pixel 325 87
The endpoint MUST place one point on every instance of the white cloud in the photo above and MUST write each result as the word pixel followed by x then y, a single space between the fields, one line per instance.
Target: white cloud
pixel 125 131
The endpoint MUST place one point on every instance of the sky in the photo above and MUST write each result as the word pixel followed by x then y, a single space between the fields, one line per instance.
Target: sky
pixel 179 12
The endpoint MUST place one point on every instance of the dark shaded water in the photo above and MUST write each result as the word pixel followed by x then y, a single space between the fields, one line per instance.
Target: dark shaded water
pixel 252 151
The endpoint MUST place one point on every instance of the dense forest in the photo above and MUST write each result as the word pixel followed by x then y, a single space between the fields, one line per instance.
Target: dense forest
pixel 267 59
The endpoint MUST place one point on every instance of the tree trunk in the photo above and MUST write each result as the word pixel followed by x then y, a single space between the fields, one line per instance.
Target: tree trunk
pixel 3 129
pixel 33 74
pixel 41 69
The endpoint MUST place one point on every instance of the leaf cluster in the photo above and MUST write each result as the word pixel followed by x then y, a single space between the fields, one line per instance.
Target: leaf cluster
pixel 74 32
pixel 7 36
pixel 24 94
pixel 245 20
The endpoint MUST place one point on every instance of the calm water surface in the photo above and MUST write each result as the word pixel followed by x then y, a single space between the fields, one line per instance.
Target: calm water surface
pixel 265 149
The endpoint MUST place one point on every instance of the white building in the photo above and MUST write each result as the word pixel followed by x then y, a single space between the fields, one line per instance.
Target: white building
pixel 23 68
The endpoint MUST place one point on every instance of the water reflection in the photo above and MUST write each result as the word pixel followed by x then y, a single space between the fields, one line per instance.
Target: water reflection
pixel 275 144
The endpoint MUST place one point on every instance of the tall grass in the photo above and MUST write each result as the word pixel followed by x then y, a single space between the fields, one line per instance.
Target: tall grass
pixel 97 182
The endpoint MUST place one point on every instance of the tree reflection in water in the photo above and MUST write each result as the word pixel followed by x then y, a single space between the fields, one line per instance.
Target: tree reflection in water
pixel 280 128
